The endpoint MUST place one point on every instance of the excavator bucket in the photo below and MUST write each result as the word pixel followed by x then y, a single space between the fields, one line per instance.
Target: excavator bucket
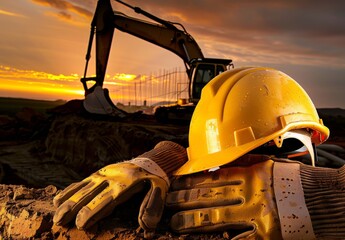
pixel 99 102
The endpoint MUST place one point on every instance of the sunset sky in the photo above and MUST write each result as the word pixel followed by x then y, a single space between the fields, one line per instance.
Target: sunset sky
pixel 43 43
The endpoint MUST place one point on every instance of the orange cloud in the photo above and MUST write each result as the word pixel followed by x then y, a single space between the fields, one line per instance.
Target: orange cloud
pixel 15 73
pixel 124 77
pixel 65 9
pixel 12 14
pixel 39 85
pixel 16 82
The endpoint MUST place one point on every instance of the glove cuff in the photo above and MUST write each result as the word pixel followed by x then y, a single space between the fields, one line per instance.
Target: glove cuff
pixel 293 213
pixel 324 196
pixel 168 155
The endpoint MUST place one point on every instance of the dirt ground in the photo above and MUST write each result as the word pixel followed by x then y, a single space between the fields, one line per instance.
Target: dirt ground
pixel 41 154
pixel 27 213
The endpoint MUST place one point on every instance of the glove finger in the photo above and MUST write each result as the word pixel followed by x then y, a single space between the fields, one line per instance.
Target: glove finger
pixel 99 207
pixel 69 209
pixel 104 203
pixel 152 207
pixel 68 192
pixel 212 219
pixel 206 197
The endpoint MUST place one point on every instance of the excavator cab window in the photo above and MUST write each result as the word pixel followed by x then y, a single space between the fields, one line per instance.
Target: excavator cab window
pixel 220 69
pixel 203 74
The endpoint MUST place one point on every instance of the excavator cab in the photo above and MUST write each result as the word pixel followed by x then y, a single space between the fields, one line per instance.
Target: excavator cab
pixel 203 71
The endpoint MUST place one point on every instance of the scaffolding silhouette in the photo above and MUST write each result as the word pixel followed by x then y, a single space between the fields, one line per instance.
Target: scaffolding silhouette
pixel 164 86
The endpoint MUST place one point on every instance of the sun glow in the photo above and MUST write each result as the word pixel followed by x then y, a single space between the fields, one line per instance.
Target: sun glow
pixel 16 82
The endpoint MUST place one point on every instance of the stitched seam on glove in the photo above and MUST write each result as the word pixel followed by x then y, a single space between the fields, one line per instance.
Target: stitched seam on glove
pixel 150 166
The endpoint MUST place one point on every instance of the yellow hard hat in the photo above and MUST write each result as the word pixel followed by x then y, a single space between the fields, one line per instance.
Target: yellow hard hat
pixel 244 108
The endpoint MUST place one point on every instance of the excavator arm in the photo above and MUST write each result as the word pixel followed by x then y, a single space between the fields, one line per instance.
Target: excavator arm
pixel 168 35
pixel 162 33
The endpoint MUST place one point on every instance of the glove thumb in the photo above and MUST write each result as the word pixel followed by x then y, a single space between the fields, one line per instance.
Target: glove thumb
pixel 152 207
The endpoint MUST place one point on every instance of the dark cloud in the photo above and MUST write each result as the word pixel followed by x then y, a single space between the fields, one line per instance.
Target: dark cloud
pixel 298 29
pixel 309 31
pixel 300 25
pixel 307 17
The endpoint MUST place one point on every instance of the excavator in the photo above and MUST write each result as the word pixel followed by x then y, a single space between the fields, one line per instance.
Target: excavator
pixel 168 35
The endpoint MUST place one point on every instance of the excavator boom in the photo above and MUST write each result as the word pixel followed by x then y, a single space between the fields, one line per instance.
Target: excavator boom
pixel 172 39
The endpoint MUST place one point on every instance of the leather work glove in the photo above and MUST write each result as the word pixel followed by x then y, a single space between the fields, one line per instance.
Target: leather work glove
pixel 96 196
pixel 266 200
